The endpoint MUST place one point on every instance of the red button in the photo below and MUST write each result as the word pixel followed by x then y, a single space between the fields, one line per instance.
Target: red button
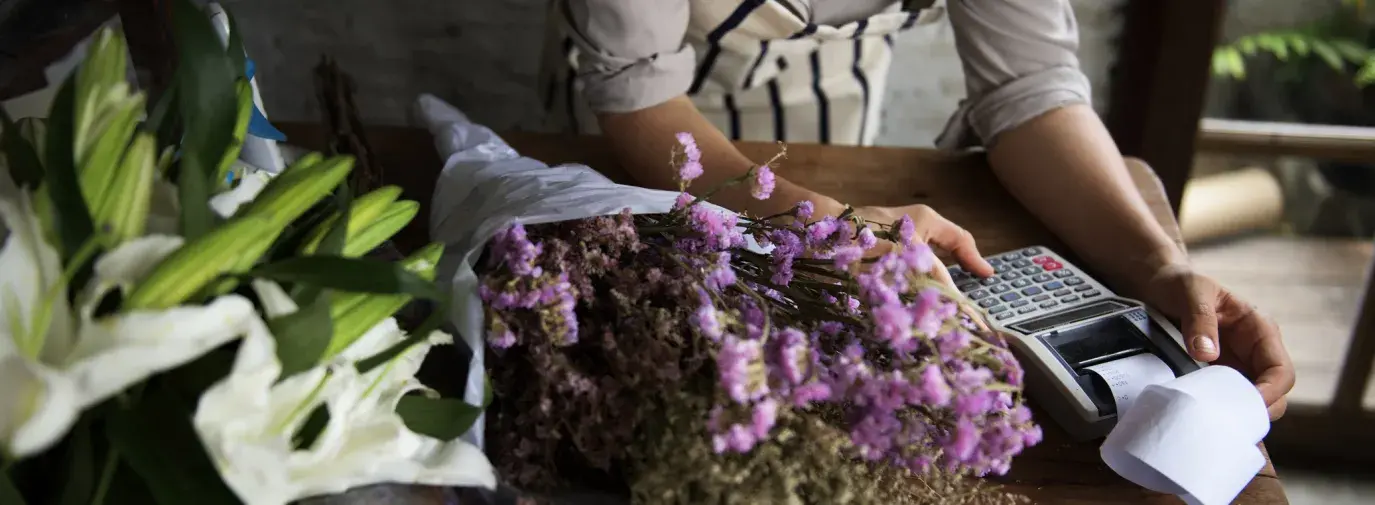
pixel 1051 266
pixel 1040 259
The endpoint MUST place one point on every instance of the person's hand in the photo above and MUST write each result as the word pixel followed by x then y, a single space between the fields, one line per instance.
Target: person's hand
pixel 934 230
pixel 1222 329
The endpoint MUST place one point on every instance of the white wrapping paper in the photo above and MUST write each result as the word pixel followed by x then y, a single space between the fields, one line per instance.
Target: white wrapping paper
pixel 486 186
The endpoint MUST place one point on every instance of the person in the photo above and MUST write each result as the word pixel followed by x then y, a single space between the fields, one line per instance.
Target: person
pixel 639 71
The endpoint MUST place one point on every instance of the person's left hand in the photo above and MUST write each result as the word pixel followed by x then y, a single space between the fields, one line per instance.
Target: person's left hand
pixel 1220 328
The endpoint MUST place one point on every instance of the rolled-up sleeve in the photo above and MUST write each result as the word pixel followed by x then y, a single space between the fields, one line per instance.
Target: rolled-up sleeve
pixel 632 53
pixel 1020 61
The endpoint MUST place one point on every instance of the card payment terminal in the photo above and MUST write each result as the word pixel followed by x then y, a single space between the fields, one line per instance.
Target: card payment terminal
pixel 1060 321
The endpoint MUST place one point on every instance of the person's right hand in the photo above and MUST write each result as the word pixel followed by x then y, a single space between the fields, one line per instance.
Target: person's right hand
pixel 936 231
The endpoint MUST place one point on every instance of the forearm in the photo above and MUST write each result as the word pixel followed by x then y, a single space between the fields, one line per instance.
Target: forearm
pixel 1064 167
pixel 643 139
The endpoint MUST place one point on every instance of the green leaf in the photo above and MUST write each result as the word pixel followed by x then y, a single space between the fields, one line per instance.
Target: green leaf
pixel 71 215
pixel 209 109
pixel 1247 46
pixel 333 243
pixel 441 418
pixel 25 167
pixel 234 46
pixel 1299 44
pixel 1236 66
pixel 1351 50
pixel 1366 74
pixel 81 468
pixel 431 323
pixel 1328 55
pixel 302 336
pixel 163 120
pixel 158 442
pixel 1276 44
pixel 9 495
pixel 359 275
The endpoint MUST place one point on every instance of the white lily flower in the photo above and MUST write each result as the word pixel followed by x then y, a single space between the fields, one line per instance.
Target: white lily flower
pixel 247 422
pixel 251 182
pixel 52 371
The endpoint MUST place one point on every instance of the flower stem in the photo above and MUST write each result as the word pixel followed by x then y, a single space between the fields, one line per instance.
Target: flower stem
pixel 107 474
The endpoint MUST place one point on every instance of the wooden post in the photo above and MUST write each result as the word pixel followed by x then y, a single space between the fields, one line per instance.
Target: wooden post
pixel 1360 358
pixel 1160 81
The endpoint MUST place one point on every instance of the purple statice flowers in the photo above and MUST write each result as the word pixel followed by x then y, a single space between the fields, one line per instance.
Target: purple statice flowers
pixel 820 323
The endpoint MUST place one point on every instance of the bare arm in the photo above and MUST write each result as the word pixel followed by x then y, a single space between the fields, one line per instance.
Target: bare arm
pixel 642 140
pixel 1062 163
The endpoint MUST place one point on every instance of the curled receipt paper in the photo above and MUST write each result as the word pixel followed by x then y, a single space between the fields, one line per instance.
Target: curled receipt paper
pixel 1194 436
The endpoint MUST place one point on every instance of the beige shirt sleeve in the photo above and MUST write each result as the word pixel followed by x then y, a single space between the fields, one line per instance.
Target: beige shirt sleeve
pixel 1019 63
pixel 632 53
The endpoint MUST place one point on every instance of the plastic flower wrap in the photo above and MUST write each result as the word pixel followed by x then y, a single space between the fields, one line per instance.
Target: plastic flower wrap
pixel 601 326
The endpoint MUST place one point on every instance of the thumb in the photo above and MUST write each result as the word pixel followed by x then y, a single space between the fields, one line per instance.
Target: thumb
pixel 1200 328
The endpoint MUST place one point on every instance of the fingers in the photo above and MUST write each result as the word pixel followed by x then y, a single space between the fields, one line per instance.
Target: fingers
pixel 940 232
pixel 1200 324
pixel 1277 409
pixel 1274 369
pixel 941 274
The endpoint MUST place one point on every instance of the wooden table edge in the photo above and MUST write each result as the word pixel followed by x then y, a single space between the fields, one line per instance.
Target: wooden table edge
pixel 1143 177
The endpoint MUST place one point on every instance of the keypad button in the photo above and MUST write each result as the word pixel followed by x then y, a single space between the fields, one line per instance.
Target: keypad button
pixel 1025 310
pixel 1063 273
pixel 1021 283
pixel 1069 299
pixel 1003 316
pixel 1020 303
pixel 1031 291
pixel 1031 251
pixel 1010 257
pixel 1001 288
pixel 1049 304
pixel 968 286
pixel 1040 259
pixel 1041 298
pixel 989 302
pixel 1072 281
pixel 997 309
pixel 1062 292
pixel 989 281
pixel 1091 294
pixel 1042 278
pixel 995 261
pixel 1085 287
pixel 1021 263
pixel 1030 271
pixel 1011 275
pixel 1052 286
pixel 1051 266
pixel 1007 297
pixel 982 293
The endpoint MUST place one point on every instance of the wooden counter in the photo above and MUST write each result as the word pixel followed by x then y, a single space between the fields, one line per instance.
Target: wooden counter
pixel 960 187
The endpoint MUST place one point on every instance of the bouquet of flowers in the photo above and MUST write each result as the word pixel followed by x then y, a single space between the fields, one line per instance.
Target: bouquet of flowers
pixel 686 354
pixel 177 328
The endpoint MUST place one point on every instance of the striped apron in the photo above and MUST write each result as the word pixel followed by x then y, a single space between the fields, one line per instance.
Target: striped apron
pixel 765 72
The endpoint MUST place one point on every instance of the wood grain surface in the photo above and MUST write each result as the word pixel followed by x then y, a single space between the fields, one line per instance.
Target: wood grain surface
pixel 959 186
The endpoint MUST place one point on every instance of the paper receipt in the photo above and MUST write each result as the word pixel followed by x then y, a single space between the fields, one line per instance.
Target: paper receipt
pixel 1194 437
pixel 1127 377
